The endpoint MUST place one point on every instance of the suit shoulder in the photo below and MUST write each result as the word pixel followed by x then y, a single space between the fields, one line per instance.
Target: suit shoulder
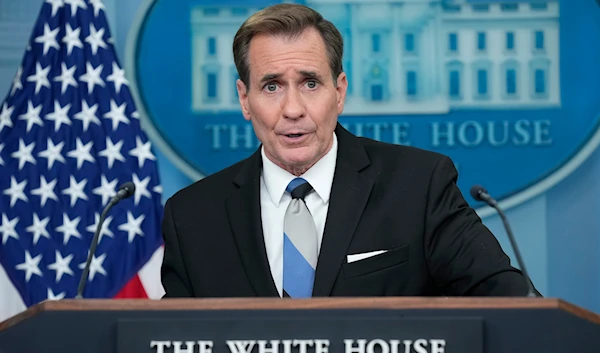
pixel 402 154
pixel 208 188
pixel 413 167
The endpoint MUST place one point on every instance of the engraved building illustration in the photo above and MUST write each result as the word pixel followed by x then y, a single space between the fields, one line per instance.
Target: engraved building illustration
pixel 408 56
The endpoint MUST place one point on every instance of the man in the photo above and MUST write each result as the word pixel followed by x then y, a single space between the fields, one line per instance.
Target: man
pixel 316 211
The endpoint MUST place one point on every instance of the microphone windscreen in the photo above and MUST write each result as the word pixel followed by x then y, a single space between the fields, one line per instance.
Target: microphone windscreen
pixel 129 189
pixel 476 191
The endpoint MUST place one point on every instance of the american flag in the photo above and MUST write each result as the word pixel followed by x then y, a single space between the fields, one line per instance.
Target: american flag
pixel 69 137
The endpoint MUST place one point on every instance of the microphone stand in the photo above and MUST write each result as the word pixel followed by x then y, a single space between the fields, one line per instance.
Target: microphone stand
pixel 86 269
pixel 480 194
pixel 511 238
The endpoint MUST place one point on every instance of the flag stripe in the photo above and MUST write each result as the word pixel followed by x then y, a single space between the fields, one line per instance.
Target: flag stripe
pixel 133 289
pixel 10 300
pixel 150 275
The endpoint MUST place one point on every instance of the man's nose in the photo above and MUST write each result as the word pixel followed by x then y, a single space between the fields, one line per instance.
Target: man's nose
pixel 293 104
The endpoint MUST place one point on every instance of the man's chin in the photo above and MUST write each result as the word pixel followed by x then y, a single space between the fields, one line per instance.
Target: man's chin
pixel 297 165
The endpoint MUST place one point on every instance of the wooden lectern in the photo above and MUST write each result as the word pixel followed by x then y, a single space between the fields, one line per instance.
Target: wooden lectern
pixel 318 325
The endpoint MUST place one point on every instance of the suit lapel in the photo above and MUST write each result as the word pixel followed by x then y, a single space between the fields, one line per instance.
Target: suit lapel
pixel 349 195
pixel 243 208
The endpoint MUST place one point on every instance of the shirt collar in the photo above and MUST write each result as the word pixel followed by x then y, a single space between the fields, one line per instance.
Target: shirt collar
pixel 320 175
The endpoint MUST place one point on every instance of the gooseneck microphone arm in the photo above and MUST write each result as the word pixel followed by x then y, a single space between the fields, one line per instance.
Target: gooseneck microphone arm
pixel 479 193
pixel 125 191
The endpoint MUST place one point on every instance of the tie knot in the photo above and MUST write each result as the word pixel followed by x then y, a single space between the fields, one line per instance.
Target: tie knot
pixel 299 188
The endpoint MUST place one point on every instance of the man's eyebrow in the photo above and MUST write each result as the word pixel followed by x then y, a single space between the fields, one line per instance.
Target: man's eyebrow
pixel 269 77
pixel 310 74
pixel 304 73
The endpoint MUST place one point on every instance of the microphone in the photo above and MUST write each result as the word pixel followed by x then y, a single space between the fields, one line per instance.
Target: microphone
pixel 126 190
pixel 479 193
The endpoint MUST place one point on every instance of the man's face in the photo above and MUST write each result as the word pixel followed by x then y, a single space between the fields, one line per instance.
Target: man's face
pixel 291 100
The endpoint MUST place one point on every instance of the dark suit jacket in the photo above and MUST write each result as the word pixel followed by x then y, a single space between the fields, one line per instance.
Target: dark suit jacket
pixel 384 196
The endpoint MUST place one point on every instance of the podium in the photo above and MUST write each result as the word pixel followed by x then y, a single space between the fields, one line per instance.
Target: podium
pixel 317 325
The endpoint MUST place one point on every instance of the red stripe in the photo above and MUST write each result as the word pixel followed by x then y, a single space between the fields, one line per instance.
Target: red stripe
pixel 133 289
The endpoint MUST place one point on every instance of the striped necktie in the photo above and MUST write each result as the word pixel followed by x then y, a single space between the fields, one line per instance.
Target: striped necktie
pixel 300 243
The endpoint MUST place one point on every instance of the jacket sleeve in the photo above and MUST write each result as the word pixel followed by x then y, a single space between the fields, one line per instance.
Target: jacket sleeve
pixel 174 275
pixel 463 256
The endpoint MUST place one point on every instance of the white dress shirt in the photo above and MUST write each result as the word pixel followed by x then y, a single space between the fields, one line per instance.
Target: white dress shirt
pixel 274 202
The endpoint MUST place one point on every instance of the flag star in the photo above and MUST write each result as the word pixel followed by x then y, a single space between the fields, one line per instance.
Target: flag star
pixel 106 189
pixel 32 115
pixel 52 296
pixel 135 115
pixel 69 228
pixel 141 188
pixel 40 78
pixel 75 5
pixel 1 148
pixel 116 114
pixel 92 76
pixel 142 151
pixel 17 84
pixel 105 230
pixel 5 115
pixel 56 4
pixel 7 228
pixel 38 228
pixel 87 115
pixel 133 226
pixel 95 39
pixel 71 39
pixel 158 189
pixel 82 152
pixel 48 39
pixel 112 152
pixel 66 78
pixel 95 266
pixel 46 190
pixel 75 190
pixel 61 266
pixel 30 266
pixel 60 115
pixel 53 153
pixel 16 191
pixel 117 77
pixel 98 5
pixel 24 153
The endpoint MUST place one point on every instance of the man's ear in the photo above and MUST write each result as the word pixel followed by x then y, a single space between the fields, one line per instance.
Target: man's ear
pixel 342 87
pixel 243 97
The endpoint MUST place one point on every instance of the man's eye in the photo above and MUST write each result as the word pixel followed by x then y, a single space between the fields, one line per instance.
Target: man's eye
pixel 271 87
pixel 311 84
